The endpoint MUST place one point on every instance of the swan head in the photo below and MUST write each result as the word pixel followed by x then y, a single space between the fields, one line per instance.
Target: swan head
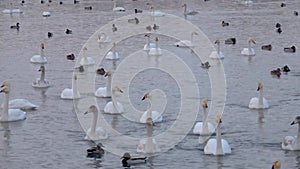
pixel 42 69
pixel 145 96
pixel 149 121
pixel 217 41
pixel 156 39
pixel 276 164
pixel 184 5
pixel 91 109
pixel 297 120
pixel 4 90
pixel 259 86
pixel 5 84
pixel 204 103
pixel 42 46
pixel 219 118
pixel 117 88
pixel 251 40
pixel 107 74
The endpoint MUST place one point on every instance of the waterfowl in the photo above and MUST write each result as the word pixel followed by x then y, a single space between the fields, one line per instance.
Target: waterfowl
pixel 185 12
pixel 60 2
pixel 291 142
pixel 276 72
pixel 95 152
pixel 217 54
pixel 205 65
pixel 282 4
pixel 114 28
pixel 17 26
pixel 86 61
pixel 79 68
pixel 134 20
pixel 278 25
pixel 118 9
pixel 127 160
pixel 285 69
pixel 204 128
pixel 42 1
pixel 72 93
pixel 41 82
pixel 105 91
pixel 103 38
pixel 156 13
pixel 249 51
pixel 259 102
pixel 279 30
pixel 217 146
pixel 230 41
pixel 88 8
pixel 155 51
pixel 11 11
pixel 50 35
pixel 46 14
pixel 112 55
pixel 290 49
pixel 10 115
pixel 148 144
pixel 155 27
pixel 266 47
pixel 39 58
pixel 22 104
pixel 225 23
pixel 138 11
pixel 149 113
pixel 70 56
pixel 114 107
pixel 295 13
pixel 100 71
pixel 68 31
pixel 149 28
pixel 186 43
pixel 76 2
pixel 95 133
pixel 148 45
pixel 276 164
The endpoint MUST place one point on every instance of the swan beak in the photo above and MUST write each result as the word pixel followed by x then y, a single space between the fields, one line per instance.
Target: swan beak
pixel 121 91
pixel 86 112
pixel 144 98
pixel 39 70
pixel 3 90
pixel 293 123
pixel 2 85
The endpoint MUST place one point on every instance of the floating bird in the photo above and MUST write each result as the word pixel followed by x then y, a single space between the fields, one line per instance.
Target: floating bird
pixel 149 113
pixel 112 55
pixel 259 102
pixel 42 1
pixel 118 9
pixel 103 38
pixel 22 1
pixel 291 142
pixel 127 160
pixel 114 28
pixel 276 72
pixel 138 11
pixel 155 13
pixel 186 43
pixel 285 69
pixel 290 49
pixel 225 23
pixel 278 25
pixel 17 26
pixel 148 28
pixel 41 82
pixel 279 30
pixel 88 8
pixel 70 56
pixel 204 128
pixel 148 45
pixel 249 51
pixel 68 31
pixel 282 4
pixel 205 65
pixel 217 54
pixel 39 58
pixel 50 35
pixel 266 47
pixel 276 164
pixel 46 14
pixel 76 2
pixel 80 68
pixel 73 93
pixel 295 13
pixel 60 2
pixel 104 91
pixel 11 11
pixel 100 71
pixel 86 61
pixel 155 51
pixel 230 41
pixel 95 152
pixel 134 20
pixel 185 12
pixel 114 107
pixel 155 27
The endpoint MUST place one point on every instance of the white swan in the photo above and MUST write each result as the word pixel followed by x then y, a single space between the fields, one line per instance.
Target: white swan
pixel 46 14
pixel 39 58
pixel 118 9
pixel 217 54
pixel 86 61
pixel 276 164
pixel 155 51
pixel 114 107
pixel 18 103
pixel 260 102
pixel 185 12
pixel 11 11
pixel 186 43
pixel 217 146
pixel 156 116
pixel 149 144
pixel 204 128
pixel 73 93
pixel 291 142
pixel 105 91
pixel 148 45
pixel 249 51
pixel 112 55
pixel 9 115
pixel 41 82
pixel 95 133
pixel 103 38
pixel 156 13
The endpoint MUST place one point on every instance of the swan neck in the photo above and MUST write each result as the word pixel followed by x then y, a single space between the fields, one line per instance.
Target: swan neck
pixel 205 125
pixel 113 100
pixel 148 41
pixel 298 135
pixel 94 123
pixel 75 90
pixel 184 9
pixel 156 45
pixel 4 116
pixel 260 98
pixel 149 130
pixel 42 52
pixel 249 46
pixel 149 110
pixel 42 76
pixel 108 85
pixel 219 139
pixel 113 49
pixel 115 4
pixel 218 48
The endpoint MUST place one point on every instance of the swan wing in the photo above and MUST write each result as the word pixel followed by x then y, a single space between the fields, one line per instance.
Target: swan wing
pixel 197 128
pixel 67 93
pixel 226 147
pixel 14 115
pixel 21 104
pixel 253 104
pixel 211 147
pixel 101 92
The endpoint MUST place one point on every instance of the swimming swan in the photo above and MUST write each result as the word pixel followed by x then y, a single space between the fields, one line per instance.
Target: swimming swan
pixel 217 54
pixel 291 142
pixel 186 43
pixel 156 116
pixel 114 107
pixel 95 133
pixel 39 58
pixel 204 128
pixel 73 93
pixel 112 55
pixel 148 145
pixel 156 51
pixel 86 61
pixel 217 146
pixel 41 82
pixel 118 9
pixel 249 51
pixel 260 102
pixel 103 38
pixel 148 45
pixel 105 91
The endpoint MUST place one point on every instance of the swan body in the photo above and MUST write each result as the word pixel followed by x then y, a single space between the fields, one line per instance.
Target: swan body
pixel 118 9
pixel 41 82
pixel 291 142
pixel 114 107
pixel 217 146
pixel 39 58
pixel 112 55
pixel 259 102
pixel 204 128
pixel 155 51
pixel 21 104
pixel 105 91
pixel 156 116
pixel 186 43
pixel 217 54
pixel 103 38
pixel 94 133
pixel 11 11
pixel 46 14
pixel 249 51
pixel 73 93
pixel 86 60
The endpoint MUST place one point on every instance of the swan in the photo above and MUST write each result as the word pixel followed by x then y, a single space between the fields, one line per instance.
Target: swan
pixel 148 45
pixel 39 58
pixel 73 93
pixel 18 103
pixel 204 128
pixel 185 12
pixel 156 116
pixel 217 54
pixel 156 13
pixel 118 9
pixel 114 107
pixel 94 133
pixel 46 14
pixel 127 160
pixel 9 115
pixel 105 91
pixel 260 102
pixel 155 51
pixel 249 51
pixel 11 11
pixel 291 142
pixel 148 145
pixel 41 82
pixel 186 43
pixel 103 38
pixel 217 146
pixel 86 61
pixel 112 55
pixel 276 164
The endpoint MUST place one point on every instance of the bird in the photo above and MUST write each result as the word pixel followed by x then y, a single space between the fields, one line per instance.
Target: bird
pixel 225 23
pixel 114 107
pixel 204 128
pixel 76 2
pixel 79 68
pixel 217 146
pixel 276 164
pixel 295 13
pixel 11 10
pixel 105 91
pixel 185 12
pixel 285 69
pixel 205 65
pixel 291 142
pixel 17 26
pixel 118 9
pixel 50 35
pixel 103 38
pixel 148 45
pixel 68 31
pixel 279 30
pixel 259 102
pixel 155 51
pixel 186 43
pixel 278 25
pixel 138 11
pixel 148 28
pixel 46 14
pixel 42 1
pixel 128 161
pixel 266 47
pixel 70 56
pixel 217 54
pixel 114 28
pixel 41 82
pixel 134 20
pixel 95 152
pixel 249 51
pixel 276 72
pixel 156 13
pixel 39 58
pixel 86 61
pixel 88 8
pixel 230 41
pixel 100 71
pixel 290 49
pixel 112 55
pixel 155 27
pixel 282 4
pixel 60 2
pixel 72 93
pixel 154 115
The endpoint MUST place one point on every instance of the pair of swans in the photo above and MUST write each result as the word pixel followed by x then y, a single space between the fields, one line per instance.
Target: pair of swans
pixel 41 82
pixel 291 142
pixel 186 43
pixel 217 54
pixel 72 93
pixel 249 51
pixel 259 102
pixel 39 58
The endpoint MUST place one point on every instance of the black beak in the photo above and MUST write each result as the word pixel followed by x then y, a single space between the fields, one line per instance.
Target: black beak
pixel 144 98
pixel 220 120
pixel 293 123
pixel 258 89
pixel 85 113
pixel 121 91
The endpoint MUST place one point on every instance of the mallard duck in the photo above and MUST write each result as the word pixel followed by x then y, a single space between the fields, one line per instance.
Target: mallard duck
pixel 276 164
pixel 285 69
pixel 279 30
pixel 17 26
pixel 138 11
pixel 230 41
pixel 282 4
pixel 95 152
pixel 127 160
pixel 290 49
pixel 71 56
pixel 88 8
pixel 114 28
pixel 49 34
pixel 205 65
pixel 134 20
pixel 295 13
pixel 276 72
pixel 266 47
pixel 100 71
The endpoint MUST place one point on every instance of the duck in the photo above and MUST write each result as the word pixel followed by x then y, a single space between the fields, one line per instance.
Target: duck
pixel 17 26
pixel 204 128
pixel 279 30
pixel 7 114
pixel 86 61
pixel 149 28
pixel 103 38
pixel 156 116
pixel 285 69
pixel 88 8
pixel 186 43
pixel 185 12
pixel 217 54
pixel 155 27
pixel 217 146
pixel 148 45
pixel 128 161
pixel 266 47
pixel 70 56
pixel 148 145
pixel 114 28
pixel 205 65
pixel 11 10
pixel 276 72
pixel 112 55
pixel 68 31
pixel 39 58
pixel 95 152
pixel 72 93
pixel 249 51
pixel 50 35
pixel 79 68
pixel 134 20
pixel 295 13
pixel 156 51
pixel 259 102
pixel 95 133
pixel 225 23
pixel 118 9
pixel 290 49
pixel 230 41
pixel 46 14
pixel 41 82
pixel 138 11
pixel 100 71
pixel 105 91
pixel 76 1
pixel 276 164
pixel 290 142
pixel 278 25
pixel 156 13
pixel 114 107
pixel 282 4
pixel 22 104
